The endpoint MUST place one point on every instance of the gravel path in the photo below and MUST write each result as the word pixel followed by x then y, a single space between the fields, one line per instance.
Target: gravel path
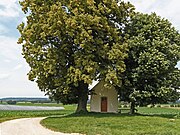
pixel 26 126
pixel 16 107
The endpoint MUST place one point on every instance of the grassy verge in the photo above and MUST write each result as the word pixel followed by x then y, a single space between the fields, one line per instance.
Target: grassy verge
pixel 150 121
pixel 8 115
pixel 159 111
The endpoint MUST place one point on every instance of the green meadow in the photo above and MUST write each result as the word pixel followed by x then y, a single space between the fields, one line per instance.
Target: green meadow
pixel 147 121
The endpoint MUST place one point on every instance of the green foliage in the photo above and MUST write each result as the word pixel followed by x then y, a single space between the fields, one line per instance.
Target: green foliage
pixel 11 102
pixel 125 106
pixel 177 105
pixel 158 105
pixel 154 50
pixel 69 42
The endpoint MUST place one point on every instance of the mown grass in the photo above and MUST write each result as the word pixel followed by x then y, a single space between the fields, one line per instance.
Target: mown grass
pixel 149 121
pixel 161 111
pixel 8 115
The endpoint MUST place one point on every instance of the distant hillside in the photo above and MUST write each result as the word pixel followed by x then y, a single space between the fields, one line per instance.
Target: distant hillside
pixel 26 99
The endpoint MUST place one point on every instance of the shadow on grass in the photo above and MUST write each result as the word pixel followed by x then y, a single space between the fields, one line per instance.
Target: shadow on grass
pixel 102 115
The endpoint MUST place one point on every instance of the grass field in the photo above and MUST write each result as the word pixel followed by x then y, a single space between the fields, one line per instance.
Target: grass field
pixel 161 111
pixel 149 121
pixel 8 115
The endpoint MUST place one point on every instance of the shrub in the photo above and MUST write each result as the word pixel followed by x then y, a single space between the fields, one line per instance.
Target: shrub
pixel 158 105
pixel 171 105
pixel 119 105
pixel 125 106
pixel 10 102
pixel 177 105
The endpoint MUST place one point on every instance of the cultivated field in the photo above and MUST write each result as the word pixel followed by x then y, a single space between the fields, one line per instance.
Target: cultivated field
pixel 8 114
pixel 18 107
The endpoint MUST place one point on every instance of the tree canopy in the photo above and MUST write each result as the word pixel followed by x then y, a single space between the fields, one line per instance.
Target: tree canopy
pixel 154 50
pixel 68 44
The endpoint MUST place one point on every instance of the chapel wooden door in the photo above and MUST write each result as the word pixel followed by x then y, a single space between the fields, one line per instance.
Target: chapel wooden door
pixel 103 104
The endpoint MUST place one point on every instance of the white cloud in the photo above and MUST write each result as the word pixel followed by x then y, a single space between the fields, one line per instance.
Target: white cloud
pixel 9 49
pixel 169 9
pixel 4 76
pixel 7 60
pixel 3 29
pixel 17 67
pixel 9 8
pixel 13 68
pixel 142 5
pixel 25 20
pixel 178 65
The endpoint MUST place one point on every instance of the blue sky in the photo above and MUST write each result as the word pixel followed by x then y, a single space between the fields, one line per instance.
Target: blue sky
pixel 14 69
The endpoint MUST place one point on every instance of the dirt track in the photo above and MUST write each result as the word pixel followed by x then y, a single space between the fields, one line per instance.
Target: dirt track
pixel 26 126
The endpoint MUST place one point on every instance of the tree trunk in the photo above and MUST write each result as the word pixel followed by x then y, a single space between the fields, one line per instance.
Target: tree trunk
pixel 132 109
pixel 82 98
